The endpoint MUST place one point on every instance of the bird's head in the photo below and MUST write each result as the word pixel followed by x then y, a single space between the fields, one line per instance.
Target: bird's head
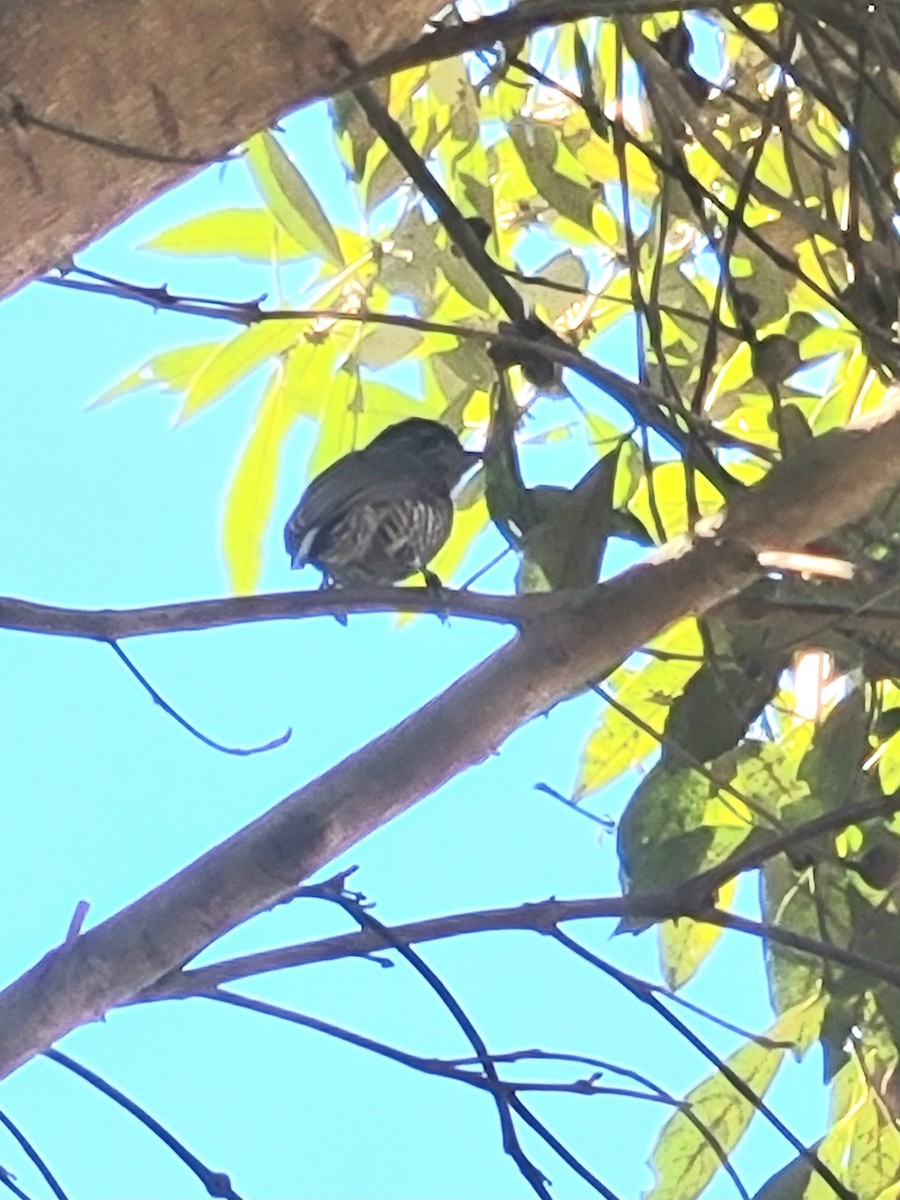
pixel 432 443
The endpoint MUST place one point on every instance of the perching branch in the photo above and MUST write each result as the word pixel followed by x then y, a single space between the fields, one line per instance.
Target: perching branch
pixel 106 625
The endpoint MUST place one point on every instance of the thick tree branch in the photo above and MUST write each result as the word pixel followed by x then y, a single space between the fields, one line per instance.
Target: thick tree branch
pixel 834 480
pixel 104 104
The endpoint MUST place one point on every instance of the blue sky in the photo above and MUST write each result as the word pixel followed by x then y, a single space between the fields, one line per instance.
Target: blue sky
pixel 105 797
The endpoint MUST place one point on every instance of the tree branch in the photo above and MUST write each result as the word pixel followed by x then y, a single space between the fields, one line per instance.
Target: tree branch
pixel 692 898
pixel 85 139
pixel 106 625
pixel 833 480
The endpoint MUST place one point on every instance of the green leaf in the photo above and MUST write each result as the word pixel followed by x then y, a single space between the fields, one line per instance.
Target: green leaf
pixel 248 504
pixel 889 765
pixel 795 899
pixel 664 492
pixel 862 1146
pixel 565 547
pixel 384 345
pixel 172 371
pixel 383 179
pixel 714 710
pixel 235 359
pixel 469 363
pixel 617 743
pixel 465 280
pixel 409 267
pixel 832 764
pixel 685 944
pixel 566 268
pixel 661 837
pixel 769 772
pixel 790 1183
pixel 290 198
pixel 683 1161
pixel 539 149
pixel 251 234
pixel 355 135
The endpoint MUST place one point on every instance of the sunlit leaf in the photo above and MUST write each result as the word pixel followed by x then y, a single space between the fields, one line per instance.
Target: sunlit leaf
pixel 600 162
pixel 290 198
pixel 863 1144
pixel 246 233
pixel 761 17
pixel 685 944
pixel 248 503
pixel 683 1160
pixel 403 86
pixel 171 371
pixel 617 743
pixel 383 345
pixel 235 359
pixel 567 269
pixel 544 160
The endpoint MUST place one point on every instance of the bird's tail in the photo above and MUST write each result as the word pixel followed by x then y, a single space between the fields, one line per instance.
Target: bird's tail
pixel 298 548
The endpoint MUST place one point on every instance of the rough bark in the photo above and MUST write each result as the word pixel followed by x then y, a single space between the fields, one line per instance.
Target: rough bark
pixel 836 479
pixel 172 85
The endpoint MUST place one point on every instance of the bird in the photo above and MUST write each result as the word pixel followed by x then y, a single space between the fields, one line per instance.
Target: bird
pixel 379 515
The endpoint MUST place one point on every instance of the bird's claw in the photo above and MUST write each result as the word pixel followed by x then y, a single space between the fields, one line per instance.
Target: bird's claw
pixel 434 585
pixel 328 585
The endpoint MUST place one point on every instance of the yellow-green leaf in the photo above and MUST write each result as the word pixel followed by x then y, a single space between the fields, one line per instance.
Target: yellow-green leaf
pixel 248 504
pixel 233 360
pixel 683 1160
pixel 617 743
pixel 292 201
pixel 172 371
pixel 684 944
pixel 246 233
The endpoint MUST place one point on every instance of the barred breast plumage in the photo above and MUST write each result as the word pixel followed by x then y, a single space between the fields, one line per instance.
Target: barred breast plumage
pixel 381 514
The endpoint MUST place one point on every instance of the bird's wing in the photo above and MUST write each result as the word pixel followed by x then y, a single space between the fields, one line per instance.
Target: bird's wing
pixel 349 483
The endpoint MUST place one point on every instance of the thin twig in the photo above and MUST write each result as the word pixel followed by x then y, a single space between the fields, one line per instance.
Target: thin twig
pixel 426 1066
pixel 26 119
pixel 48 1176
pixel 641 992
pixel 216 1183
pixel 353 907
pixel 185 724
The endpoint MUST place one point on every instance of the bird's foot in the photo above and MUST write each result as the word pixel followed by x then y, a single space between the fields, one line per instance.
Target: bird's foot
pixel 434 585
pixel 328 585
